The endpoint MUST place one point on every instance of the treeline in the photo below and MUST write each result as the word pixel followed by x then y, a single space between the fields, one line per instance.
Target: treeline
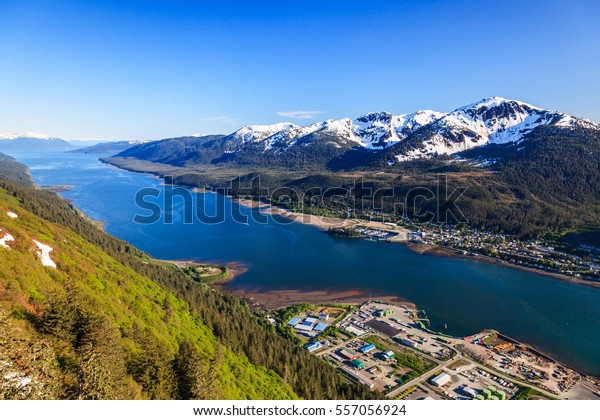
pixel 11 169
pixel 232 322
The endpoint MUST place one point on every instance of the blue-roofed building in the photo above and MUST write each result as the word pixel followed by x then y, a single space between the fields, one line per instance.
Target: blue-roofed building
pixel 292 322
pixel 303 327
pixel 310 320
pixel 320 326
pixel 314 346
pixel 367 348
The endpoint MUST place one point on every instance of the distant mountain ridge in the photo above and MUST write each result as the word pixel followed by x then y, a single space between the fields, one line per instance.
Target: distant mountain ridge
pixel 378 137
pixel 109 147
pixel 32 141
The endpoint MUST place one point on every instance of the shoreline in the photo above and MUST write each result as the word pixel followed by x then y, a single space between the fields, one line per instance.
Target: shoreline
pixel 324 223
pixel 441 251
pixel 234 268
pixel 276 299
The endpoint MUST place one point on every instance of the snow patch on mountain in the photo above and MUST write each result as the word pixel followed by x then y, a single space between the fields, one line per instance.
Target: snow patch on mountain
pixel 257 133
pixel 5 239
pixel 44 254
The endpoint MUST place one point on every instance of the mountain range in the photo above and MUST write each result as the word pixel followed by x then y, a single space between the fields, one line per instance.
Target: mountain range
pixel 376 138
pixel 32 141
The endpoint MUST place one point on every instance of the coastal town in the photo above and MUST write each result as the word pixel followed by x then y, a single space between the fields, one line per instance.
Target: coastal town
pixel 391 349
pixel 551 256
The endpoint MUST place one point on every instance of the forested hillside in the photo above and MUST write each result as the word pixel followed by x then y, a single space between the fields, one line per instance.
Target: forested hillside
pixel 108 323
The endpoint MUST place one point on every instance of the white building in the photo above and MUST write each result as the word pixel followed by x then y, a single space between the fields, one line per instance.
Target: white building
pixel 441 380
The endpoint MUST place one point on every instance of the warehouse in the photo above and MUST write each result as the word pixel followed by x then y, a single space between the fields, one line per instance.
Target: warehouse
pixel 441 380
pixel 310 321
pixel 368 348
pixel 348 354
pixel 409 343
pixel 360 379
pixel 314 346
pixel 303 327
pixel 470 392
pixel 292 322
pixel 358 364
pixel 388 354
pixel 354 330
pixel 320 326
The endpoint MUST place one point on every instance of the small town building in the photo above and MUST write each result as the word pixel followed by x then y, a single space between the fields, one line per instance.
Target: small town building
pixel 320 327
pixel 441 380
pixel 348 354
pixel 358 364
pixel 314 346
pixel 388 354
pixel 367 349
pixel 292 322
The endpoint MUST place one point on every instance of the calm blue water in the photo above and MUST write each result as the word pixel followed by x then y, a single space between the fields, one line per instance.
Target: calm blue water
pixel 560 318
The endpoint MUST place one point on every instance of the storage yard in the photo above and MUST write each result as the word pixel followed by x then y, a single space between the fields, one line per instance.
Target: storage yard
pixel 390 349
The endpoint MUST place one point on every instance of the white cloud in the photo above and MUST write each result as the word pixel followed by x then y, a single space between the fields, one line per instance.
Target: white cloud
pixel 223 119
pixel 300 115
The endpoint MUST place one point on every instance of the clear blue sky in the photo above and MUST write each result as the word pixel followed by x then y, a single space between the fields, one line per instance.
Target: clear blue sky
pixel 145 69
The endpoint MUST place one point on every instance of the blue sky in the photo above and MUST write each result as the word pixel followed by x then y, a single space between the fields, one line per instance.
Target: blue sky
pixel 145 69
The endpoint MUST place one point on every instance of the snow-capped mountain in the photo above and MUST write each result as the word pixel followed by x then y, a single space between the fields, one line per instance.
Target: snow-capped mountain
pixel 26 135
pixel 254 134
pixel 375 130
pixel 370 139
pixel 491 121
pixel 32 141
pixel 381 129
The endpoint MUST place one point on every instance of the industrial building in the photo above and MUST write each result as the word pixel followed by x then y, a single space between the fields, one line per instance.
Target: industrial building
pixel 388 354
pixel 303 327
pixel 358 364
pixel 409 343
pixel 441 380
pixel 320 326
pixel 309 321
pixel 307 326
pixel 314 346
pixel 292 322
pixel 324 317
pixel 367 349
pixel 469 392
pixel 384 312
pixel 360 379
pixel 348 354
pixel 353 329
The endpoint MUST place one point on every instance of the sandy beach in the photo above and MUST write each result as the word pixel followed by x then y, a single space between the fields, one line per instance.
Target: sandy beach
pixel 274 299
pixel 322 222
